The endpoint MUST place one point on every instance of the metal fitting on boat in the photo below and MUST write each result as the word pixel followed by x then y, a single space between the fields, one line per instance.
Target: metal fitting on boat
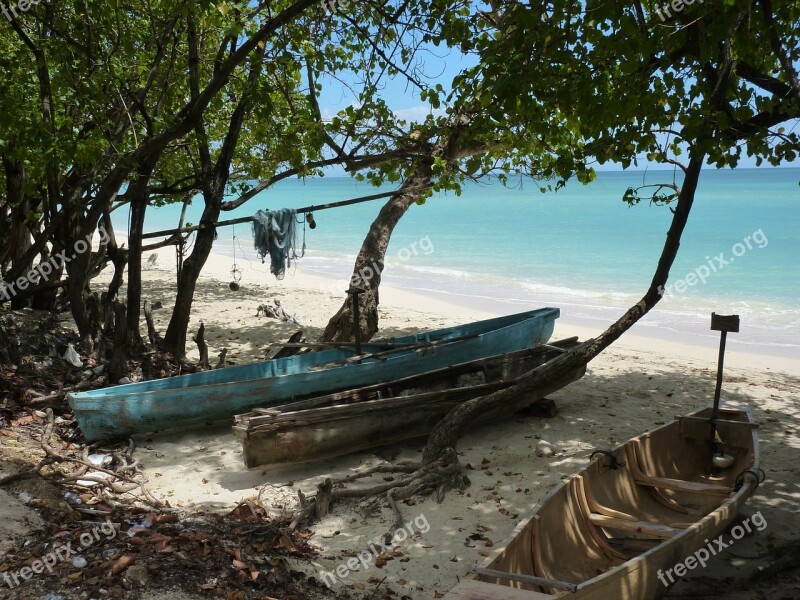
pixel 756 475
pixel 614 462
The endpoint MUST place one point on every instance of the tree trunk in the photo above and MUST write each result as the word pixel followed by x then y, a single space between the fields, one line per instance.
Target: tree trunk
pixel 370 261
pixel 215 178
pixel 19 237
pixel 133 338
pixel 138 193
pixel 175 338
pixel 369 264
pixel 119 258
pixel 450 429
pixel 119 361
pixel 84 305
pixel 46 299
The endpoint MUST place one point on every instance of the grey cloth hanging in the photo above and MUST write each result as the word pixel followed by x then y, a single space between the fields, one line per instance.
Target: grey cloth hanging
pixel 275 233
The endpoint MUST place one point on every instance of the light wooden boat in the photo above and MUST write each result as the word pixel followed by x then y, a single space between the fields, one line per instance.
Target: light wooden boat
pixel 612 533
pixel 210 396
pixel 336 424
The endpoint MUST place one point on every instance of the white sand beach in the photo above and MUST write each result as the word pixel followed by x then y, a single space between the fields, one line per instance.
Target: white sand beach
pixel 637 384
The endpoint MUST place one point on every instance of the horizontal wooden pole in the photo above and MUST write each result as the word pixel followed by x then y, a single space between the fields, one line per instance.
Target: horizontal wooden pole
pixel 718 421
pixel 305 209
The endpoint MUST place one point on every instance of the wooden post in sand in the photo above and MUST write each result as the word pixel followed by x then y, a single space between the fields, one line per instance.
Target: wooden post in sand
pixel 723 324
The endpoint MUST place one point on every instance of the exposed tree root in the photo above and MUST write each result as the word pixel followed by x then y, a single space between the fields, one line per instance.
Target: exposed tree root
pixel 57 398
pixel 127 477
pixel 441 475
pixel 401 467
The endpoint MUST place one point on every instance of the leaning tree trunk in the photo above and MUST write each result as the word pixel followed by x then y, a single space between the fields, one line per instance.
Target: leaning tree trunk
pixel 215 178
pixel 139 198
pixel 442 440
pixel 175 338
pixel 370 261
pixel 369 264
pixel 449 430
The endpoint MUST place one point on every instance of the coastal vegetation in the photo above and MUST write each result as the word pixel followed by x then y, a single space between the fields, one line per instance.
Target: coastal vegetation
pixel 123 107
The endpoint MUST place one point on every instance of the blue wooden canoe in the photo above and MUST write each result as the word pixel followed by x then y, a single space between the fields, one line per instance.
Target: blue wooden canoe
pixel 209 396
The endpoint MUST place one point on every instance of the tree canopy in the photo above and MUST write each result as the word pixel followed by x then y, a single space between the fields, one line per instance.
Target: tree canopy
pixel 124 106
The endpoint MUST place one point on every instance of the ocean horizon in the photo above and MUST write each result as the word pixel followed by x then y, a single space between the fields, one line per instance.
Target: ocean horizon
pixel 581 249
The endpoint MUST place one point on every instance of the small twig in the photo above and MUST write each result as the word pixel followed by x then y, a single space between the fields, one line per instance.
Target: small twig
pixel 378 585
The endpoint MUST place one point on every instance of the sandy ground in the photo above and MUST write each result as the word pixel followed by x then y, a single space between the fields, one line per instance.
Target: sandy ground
pixel 634 386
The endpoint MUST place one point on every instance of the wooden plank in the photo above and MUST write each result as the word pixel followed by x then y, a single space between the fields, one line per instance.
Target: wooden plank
pixel 472 589
pixel 421 381
pixel 680 485
pixel 530 579
pixel 581 498
pixel 273 412
pixel 718 421
pixel 654 529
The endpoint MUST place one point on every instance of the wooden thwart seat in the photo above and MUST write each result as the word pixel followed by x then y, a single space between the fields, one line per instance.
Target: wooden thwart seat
pixel 654 529
pixel 678 485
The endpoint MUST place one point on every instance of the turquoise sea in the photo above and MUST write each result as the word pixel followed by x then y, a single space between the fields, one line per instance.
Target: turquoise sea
pixel 581 248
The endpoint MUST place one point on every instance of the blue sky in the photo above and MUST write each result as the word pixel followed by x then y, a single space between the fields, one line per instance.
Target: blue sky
pixel 441 65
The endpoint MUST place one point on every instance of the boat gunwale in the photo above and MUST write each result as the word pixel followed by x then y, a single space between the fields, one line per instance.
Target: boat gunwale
pixel 117 394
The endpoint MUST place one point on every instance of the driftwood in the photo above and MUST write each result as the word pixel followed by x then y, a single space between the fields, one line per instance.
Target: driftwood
pixel 199 339
pixel 414 478
pixel 127 478
pixel 152 260
pixel 57 398
pixel 276 312
pixel 155 339
pixel 221 362
pixel 293 349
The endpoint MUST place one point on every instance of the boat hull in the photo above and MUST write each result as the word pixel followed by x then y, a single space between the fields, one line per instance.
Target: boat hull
pixel 212 396
pixel 632 524
pixel 355 420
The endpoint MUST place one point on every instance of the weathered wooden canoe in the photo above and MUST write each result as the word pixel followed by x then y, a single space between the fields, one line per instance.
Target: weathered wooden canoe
pixel 368 417
pixel 199 398
pixel 615 532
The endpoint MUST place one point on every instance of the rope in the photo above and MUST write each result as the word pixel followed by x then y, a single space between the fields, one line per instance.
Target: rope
pixel 236 271
pixel 756 476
